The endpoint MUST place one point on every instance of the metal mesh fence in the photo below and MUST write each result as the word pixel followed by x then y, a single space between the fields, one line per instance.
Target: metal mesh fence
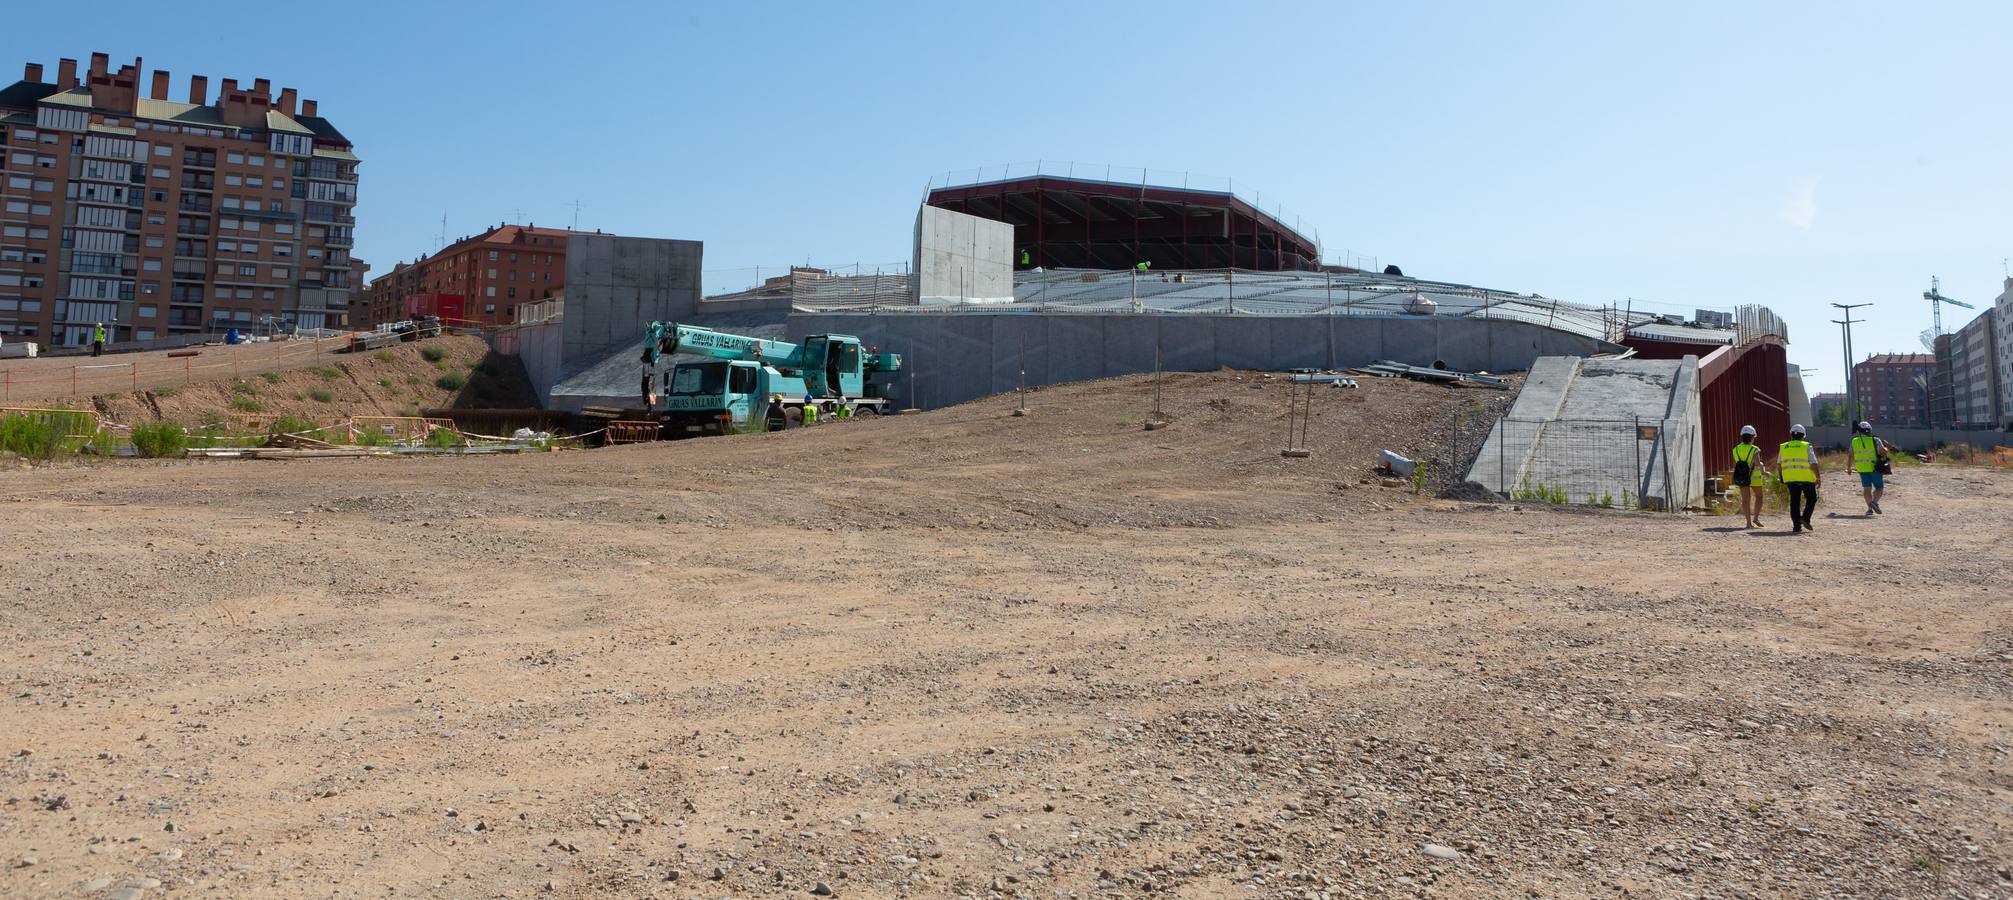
pixel 1631 463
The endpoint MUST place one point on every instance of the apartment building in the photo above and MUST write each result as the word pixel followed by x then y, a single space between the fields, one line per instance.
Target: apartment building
pixel 162 218
pixel 2002 342
pixel 497 270
pixel 1893 389
pixel 1974 374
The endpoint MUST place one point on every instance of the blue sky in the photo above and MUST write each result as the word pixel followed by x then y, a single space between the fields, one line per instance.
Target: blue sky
pixel 1690 155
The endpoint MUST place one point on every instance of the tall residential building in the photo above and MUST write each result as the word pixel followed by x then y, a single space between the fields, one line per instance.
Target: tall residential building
pixel 162 218
pixel 1893 389
pixel 1974 373
pixel 2002 327
pixel 495 271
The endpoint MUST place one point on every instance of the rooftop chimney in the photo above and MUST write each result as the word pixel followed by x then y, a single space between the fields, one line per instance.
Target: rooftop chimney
pixel 160 91
pixel 66 73
pixel 263 85
pixel 230 87
pixel 101 64
pixel 199 89
pixel 32 72
pixel 307 107
pixel 286 105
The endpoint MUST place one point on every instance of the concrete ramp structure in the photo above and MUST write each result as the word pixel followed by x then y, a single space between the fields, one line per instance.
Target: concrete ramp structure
pixel 1606 432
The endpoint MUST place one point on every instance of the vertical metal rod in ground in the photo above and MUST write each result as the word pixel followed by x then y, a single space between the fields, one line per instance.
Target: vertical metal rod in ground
pixel 1502 461
pixel 1157 417
pixel 1023 373
pixel 1641 488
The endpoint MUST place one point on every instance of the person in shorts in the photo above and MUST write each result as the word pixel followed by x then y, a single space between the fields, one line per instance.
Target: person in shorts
pixel 1869 458
pixel 1747 475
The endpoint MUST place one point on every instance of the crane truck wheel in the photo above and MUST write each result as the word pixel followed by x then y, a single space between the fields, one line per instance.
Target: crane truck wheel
pixel 866 411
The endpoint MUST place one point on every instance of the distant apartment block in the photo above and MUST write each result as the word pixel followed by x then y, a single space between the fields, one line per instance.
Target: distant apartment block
pixel 2002 328
pixel 1893 389
pixel 161 218
pixel 1974 374
pixel 494 272
pixel 1822 402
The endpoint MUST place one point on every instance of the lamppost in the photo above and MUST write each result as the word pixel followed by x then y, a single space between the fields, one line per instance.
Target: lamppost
pixel 1851 386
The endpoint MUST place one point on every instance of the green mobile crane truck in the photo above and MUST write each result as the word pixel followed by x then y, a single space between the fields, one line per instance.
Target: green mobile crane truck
pixel 731 392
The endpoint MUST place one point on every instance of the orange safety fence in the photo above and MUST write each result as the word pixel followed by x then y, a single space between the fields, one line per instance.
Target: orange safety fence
pixel 632 432
pixel 104 374
pixel 399 428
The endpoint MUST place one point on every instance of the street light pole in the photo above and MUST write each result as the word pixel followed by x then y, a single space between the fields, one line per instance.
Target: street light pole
pixel 1851 382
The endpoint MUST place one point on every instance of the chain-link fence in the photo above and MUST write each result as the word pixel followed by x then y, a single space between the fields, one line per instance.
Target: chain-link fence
pixel 1633 463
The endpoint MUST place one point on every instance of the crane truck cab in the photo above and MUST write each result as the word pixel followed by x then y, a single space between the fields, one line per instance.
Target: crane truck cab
pixel 729 392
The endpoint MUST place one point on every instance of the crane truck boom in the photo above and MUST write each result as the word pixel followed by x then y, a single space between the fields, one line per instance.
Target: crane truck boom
pixel 730 392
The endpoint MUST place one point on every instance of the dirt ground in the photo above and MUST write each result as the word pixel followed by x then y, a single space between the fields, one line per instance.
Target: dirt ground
pixel 970 654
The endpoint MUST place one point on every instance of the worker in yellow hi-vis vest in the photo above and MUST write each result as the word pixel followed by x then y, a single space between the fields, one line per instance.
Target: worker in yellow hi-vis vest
pixel 1870 457
pixel 1797 464
pixel 1747 475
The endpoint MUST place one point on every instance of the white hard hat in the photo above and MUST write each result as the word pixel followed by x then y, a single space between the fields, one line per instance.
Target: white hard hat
pixel 1866 426
pixel 1796 429
pixel 1746 430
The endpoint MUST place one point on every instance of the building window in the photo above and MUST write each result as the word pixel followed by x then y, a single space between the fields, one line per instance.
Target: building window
pixel 248 271
pixel 492 256
pixel 489 292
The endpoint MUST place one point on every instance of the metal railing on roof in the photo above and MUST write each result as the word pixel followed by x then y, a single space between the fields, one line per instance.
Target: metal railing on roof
pixel 1218 292
pixel 1127 175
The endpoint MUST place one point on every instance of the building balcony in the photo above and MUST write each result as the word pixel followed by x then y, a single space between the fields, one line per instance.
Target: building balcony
pixel 269 215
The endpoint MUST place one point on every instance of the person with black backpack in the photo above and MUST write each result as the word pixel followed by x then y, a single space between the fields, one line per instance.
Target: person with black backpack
pixel 1747 475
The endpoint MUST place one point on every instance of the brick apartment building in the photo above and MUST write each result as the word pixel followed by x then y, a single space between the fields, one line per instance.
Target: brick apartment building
pixel 1893 389
pixel 494 271
pixel 163 218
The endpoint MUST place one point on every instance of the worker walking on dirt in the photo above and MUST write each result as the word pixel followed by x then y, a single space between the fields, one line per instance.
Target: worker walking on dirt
pixel 98 339
pixel 1870 458
pixel 843 410
pixel 1796 462
pixel 1746 470
pixel 810 411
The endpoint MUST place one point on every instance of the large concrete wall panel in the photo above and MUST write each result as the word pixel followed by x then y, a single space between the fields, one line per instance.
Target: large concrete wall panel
pixel 1244 342
pixel 1298 343
pixel 1129 348
pixel 617 285
pixel 1414 340
pixel 1187 344
pixel 1359 340
pixel 1075 348
pixel 962 258
pixel 952 358
pixel 1018 341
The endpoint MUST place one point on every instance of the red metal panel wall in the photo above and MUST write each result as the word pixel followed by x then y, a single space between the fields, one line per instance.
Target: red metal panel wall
pixel 1745 385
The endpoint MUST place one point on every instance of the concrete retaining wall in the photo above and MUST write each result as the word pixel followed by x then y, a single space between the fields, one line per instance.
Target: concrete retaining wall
pixel 1624 430
pixel 616 285
pixel 538 348
pixel 952 358
pixel 960 257
pixel 1914 440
